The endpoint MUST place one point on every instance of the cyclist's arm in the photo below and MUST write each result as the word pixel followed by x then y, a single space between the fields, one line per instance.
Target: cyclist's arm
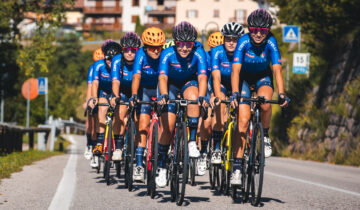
pixel 95 83
pixel 216 74
pixel 202 79
pixel 115 71
pixel 279 78
pixel 235 77
pixel 163 73
pixel 138 62
pixel 89 82
pixel 202 71
pixel 163 80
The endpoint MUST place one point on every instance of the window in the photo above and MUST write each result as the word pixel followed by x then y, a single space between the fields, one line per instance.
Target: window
pixel 216 13
pixel 133 18
pixel 192 13
pixel 240 16
pixel 160 2
pixel 135 2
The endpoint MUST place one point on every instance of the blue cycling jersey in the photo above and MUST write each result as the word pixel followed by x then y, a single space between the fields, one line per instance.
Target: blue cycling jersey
pixel 183 69
pixel 147 67
pixel 125 75
pixel 208 62
pixel 220 61
pixel 102 74
pixel 256 58
pixel 90 74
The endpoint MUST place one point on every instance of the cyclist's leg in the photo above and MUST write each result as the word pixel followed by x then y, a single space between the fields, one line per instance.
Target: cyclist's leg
pixel 119 127
pixel 240 134
pixel 264 88
pixel 102 110
pixel 191 92
pixel 166 128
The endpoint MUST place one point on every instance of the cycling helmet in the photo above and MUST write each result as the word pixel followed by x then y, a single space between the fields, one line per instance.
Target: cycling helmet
pixel 184 31
pixel 153 36
pixel 130 39
pixel 260 18
pixel 168 44
pixel 98 54
pixel 215 39
pixel 110 48
pixel 232 29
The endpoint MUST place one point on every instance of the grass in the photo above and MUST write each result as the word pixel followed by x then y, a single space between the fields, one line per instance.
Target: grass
pixel 14 162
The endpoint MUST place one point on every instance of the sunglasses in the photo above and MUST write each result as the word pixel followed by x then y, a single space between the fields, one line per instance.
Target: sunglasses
pixel 108 57
pixel 129 49
pixel 181 44
pixel 256 30
pixel 154 48
pixel 231 39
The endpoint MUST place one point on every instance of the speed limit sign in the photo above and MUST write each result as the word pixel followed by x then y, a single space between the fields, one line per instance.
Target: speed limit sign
pixel 301 63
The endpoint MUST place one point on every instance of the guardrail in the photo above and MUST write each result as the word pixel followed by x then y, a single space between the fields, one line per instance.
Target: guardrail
pixel 11 137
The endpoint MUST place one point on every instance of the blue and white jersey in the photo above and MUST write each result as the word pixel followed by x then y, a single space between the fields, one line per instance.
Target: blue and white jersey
pixel 147 67
pixel 125 75
pixel 102 74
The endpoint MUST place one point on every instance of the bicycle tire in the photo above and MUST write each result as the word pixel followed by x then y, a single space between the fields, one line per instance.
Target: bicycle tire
pixel 154 159
pixel 192 171
pixel 172 168
pixel 131 155
pixel 118 169
pixel 182 169
pixel 108 154
pixel 258 159
pixel 98 166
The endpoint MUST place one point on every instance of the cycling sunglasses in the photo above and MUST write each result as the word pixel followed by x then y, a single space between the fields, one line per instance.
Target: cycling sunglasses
pixel 231 39
pixel 256 30
pixel 181 44
pixel 129 49
pixel 154 48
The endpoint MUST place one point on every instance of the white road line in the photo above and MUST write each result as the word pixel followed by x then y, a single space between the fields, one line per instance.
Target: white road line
pixel 65 190
pixel 314 183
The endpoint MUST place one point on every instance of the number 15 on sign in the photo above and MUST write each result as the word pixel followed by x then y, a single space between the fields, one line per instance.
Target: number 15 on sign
pixel 301 63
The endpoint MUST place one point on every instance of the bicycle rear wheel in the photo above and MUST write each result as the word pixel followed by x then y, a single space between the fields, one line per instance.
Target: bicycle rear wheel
pixel 182 173
pixel 258 160
pixel 154 159
pixel 129 156
pixel 118 168
pixel 108 155
pixel 192 171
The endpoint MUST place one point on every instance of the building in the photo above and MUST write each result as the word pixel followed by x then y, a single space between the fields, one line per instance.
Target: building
pixel 213 14
pixel 74 16
pixel 160 13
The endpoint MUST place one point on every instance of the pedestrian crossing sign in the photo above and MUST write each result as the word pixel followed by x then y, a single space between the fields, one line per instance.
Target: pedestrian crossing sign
pixel 291 34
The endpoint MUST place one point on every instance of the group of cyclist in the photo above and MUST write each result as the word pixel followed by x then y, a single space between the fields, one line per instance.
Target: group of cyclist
pixel 236 63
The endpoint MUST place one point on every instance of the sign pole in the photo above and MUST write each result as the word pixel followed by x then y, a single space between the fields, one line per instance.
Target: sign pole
pixel 299 45
pixel 28 106
pixel 46 107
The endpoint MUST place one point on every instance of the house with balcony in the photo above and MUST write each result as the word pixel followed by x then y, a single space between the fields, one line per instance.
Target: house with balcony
pixel 160 13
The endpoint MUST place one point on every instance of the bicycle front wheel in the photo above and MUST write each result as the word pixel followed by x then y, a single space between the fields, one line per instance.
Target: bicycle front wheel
pixel 153 159
pixel 182 169
pixel 258 162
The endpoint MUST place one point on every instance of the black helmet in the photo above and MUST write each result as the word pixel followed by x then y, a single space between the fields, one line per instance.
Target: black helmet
pixel 260 18
pixel 184 31
pixel 110 48
pixel 232 29
pixel 130 39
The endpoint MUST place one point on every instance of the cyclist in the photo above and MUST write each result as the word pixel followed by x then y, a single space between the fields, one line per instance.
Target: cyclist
pixel 102 88
pixel 251 66
pixel 182 70
pixel 144 86
pixel 204 129
pixel 221 61
pixel 121 74
pixel 90 121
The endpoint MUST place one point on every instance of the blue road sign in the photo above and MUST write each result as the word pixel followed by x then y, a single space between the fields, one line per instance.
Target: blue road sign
pixel 42 85
pixel 291 34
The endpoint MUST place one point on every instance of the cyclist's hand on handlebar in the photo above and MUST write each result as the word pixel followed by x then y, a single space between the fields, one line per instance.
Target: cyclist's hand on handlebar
pixel 214 101
pixel 283 100
pixel 113 101
pixel 93 102
pixel 234 100
pixel 163 99
pixel 203 101
pixel 133 99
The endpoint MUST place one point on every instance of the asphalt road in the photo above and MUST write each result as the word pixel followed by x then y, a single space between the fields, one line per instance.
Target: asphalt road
pixel 68 182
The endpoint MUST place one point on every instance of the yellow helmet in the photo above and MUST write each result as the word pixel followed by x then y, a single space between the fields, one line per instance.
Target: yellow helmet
pixel 153 36
pixel 168 44
pixel 215 39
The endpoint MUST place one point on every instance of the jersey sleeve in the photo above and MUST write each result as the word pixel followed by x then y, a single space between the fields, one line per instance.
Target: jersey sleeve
pixel 96 71
pixel 164 62
pixel 115 68
pixel 201 61
pixel 240 48
pixel 274 51
pixel 215 59
pixel 90 74
pixel 138 61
